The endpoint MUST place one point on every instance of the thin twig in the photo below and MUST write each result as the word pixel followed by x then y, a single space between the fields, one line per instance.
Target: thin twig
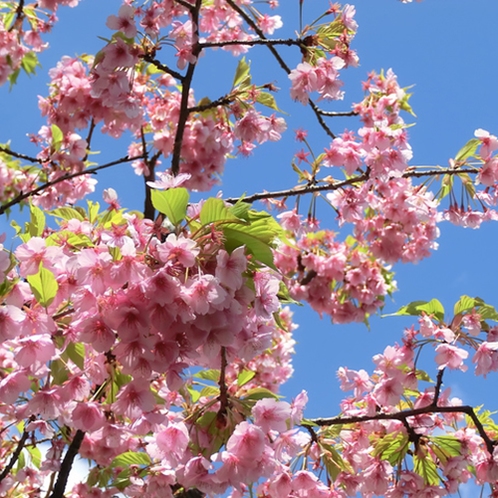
pixel 163 67
pixel 31 159
pixel 437 388
pixel 333 114
pixel 222 101
pixel 258 41
pixel 312 189
pixel 90 171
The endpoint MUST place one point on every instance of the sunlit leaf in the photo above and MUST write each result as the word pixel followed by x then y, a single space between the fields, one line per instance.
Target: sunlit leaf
pixel 418 308
pixel 468 150
pixel 172 202
pixel 131 458
pixel 44 286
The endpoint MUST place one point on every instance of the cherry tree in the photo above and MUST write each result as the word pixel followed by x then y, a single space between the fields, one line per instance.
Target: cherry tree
pixel 153 344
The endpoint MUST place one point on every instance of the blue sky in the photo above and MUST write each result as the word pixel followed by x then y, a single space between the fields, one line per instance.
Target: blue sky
pixel 446 48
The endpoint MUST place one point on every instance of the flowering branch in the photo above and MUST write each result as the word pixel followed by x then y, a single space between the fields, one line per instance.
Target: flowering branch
pixel 90 171
pixel 403 415
pixel 67 464
pixel 312 189
pixel 280 61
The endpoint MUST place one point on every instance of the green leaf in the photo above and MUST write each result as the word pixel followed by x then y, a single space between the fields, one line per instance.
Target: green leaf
pixel 209 392
pixel 468 150
pixel 67 213
pixel 44 286
pixel 172 202
pixel 93 211
pixel 425 467
pixel 268 100
pixel 57 137
pixel 29 63
pixel 446 447
pixel 37 221
pixel 465 303
pixel 242 73
pixel 194 394
pixel 131 458
pixel 244 377
pixel 391 447
pixel 58 371
pixel 35 455
pixel 213 375
pixel 257 236
pixel 260 393
pixel 418 308
pixel 76 353
pixel 214 210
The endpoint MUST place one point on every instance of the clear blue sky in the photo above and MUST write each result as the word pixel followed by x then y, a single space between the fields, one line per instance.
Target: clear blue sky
pixel 446 48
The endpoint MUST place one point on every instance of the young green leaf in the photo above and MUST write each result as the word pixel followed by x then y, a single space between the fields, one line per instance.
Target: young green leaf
pixel 131 458
pixel 57 137
pixel 172 202
pixel 44 286
pixel 468 150
pixel 242 73
pixel 418 308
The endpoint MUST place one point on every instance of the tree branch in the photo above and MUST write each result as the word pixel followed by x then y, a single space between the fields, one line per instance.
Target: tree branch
pixel 15 456
pixel 67 464
pixel 312 189
pixel 186 83
pixel 165 69
pixel 403 415
pixel 90 171
pixel 30 159
pixel 259 41
pixel 336 113
pixel 216 103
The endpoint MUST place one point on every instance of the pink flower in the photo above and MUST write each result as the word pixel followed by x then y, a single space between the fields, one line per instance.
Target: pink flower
pixel 271 414
pixel 88 417
pixel 180 248
pixel 230 267
pixel 124 21
pixel 451 357
pixel 247 442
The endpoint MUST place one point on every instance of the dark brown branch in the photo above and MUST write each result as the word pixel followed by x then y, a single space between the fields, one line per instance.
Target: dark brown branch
pixel 187 5
pixel 90 171
pixel 186 83
pixel 259 41
pixel 437 388
pixel 211 105
pixel 18 155
pixel 14 457
pixel 67 464
pixel 162 67
pixel 89 138
pixel 405 414
pixel 312 189
pixel 19 16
